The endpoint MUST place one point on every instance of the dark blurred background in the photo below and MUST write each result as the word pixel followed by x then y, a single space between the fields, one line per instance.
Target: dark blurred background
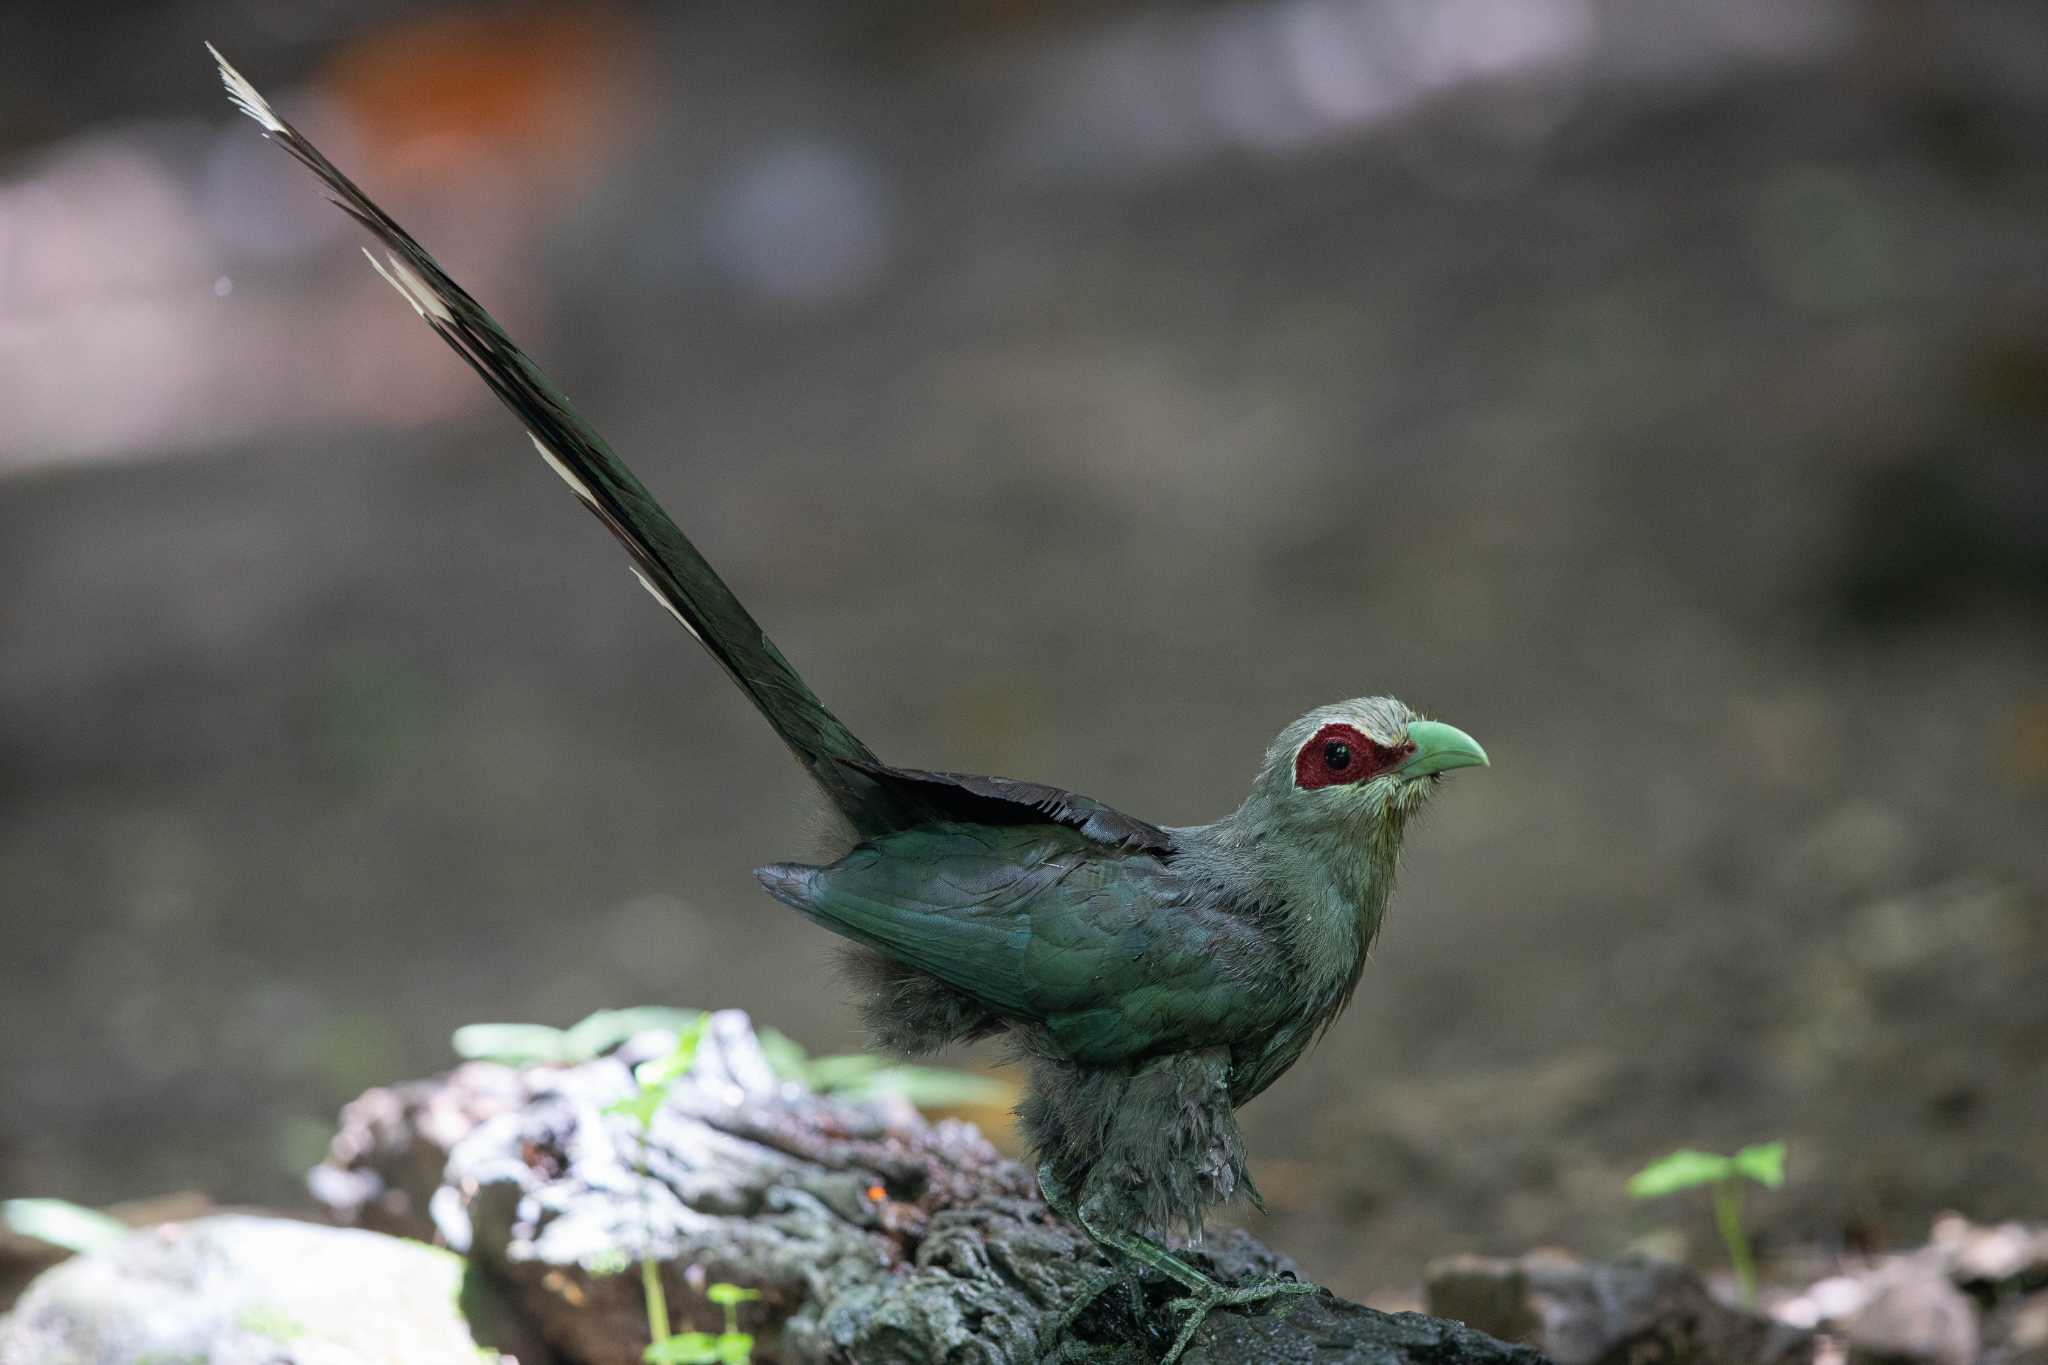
pixel 1078 391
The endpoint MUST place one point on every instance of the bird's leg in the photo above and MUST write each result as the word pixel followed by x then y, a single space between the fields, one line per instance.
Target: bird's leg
pixel 1060 1201
pixel 1214 1295
pixel 1204 1293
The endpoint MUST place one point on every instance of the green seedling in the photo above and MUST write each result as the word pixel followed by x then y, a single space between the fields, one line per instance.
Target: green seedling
pixel 652 1079
pixel 651 1082
pixel 730 1347
pixel 1687 1169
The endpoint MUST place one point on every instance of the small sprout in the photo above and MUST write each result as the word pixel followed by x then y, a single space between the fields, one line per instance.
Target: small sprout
pixel 652 1079
pixel 735 1347
pixel 61 1223
pixel 701 1348
pixel 728 1295
pixel 639 1106
pixel 684 1348
pixel 657 1300
pixel 676 1063
pixel 1686 1169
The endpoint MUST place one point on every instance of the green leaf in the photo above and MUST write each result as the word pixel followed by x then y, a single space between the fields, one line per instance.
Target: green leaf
pixel 513 1044
pixel 843 1072
pixel 786 1056
pixel 62 1224
pixel 1764 1163
pixel 861 1075
pixel 735 1348
pixel 676 1063
pixel 684 1348
pixel 640 1105
pixel 1682 1170
pixel 596 1034
pixel 936 1087
pixel 728 1294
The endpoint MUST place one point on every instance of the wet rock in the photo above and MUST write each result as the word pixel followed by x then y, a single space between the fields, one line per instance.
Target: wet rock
pixel 1612 1313
pixel 237 1290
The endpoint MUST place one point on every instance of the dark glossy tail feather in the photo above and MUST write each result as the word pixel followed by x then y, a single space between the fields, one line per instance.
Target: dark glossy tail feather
pixel 664 560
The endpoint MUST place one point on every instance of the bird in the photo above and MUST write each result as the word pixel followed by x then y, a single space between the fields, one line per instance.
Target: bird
pixel 1153 978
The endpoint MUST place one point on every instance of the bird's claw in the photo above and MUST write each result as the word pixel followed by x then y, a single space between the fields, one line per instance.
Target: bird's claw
pixel 1093 1290
pixel 1198 1305
pixel 1256 1292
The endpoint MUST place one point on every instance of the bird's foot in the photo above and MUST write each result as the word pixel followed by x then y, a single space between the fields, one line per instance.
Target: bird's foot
pixel 1198 1305
pixel 1109 1279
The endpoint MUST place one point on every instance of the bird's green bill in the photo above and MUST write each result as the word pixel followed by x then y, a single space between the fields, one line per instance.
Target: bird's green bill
pixel 1440 748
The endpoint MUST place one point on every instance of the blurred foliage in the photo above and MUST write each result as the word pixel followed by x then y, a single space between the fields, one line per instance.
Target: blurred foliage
pixel 849 1075
pixel 61 1224
pixel 592 1036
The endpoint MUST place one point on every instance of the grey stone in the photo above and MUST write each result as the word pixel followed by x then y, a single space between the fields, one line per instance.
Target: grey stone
pixel 1913 1313
pixel 240 1290
pixel 1994 1256
pixel 1609 1313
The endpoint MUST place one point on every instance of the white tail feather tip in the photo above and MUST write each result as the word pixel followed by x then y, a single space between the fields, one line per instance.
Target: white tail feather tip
pixel 245 95
pixel 410 287
pixel 658 596
pixel 427 300
pixel 576 485
pixel 392 280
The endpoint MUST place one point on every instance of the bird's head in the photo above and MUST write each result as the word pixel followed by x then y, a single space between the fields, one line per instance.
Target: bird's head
pixel 1360 767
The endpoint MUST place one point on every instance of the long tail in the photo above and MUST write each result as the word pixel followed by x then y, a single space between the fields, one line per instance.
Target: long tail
pixel 664 560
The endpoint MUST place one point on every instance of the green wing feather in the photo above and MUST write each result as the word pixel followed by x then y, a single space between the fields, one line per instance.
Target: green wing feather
pixel 1044 925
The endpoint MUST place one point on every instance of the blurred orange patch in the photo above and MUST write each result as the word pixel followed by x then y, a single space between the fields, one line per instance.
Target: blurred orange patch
pixel 542 84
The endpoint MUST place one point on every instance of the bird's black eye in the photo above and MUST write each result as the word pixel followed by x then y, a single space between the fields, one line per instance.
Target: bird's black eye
pixel 1337 755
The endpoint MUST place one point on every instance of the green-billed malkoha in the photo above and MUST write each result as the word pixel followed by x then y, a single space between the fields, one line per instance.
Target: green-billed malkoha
pixel 1157 977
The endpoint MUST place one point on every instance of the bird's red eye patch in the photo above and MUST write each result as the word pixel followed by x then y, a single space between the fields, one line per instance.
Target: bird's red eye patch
pixel 1342 753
